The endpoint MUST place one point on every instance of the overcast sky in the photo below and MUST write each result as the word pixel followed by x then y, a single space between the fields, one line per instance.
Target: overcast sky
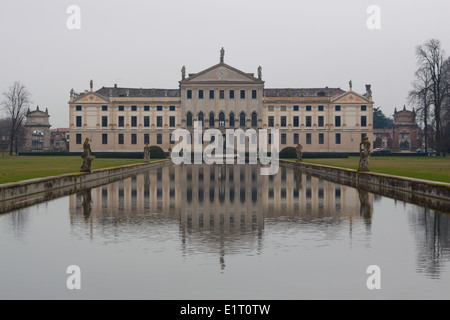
pixel 299 43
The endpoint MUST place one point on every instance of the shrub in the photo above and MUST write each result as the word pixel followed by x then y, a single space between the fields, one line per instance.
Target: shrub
pixel 288 153
pixel 157 153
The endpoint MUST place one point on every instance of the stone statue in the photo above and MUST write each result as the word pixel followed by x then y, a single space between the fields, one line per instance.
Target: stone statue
pixel 350 84
pixel 298 150
pixel 87 157
pixel 183 73
pixel 92 84
pixel 222 55
pixel 146 154
pixel 364 149
pixel 259 73
pixel 72 93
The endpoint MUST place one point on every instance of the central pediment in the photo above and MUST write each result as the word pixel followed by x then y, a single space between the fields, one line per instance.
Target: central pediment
pixel 221 73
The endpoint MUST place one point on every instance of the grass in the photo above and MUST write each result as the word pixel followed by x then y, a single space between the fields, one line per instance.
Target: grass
pixel 428 168
pixel 13 169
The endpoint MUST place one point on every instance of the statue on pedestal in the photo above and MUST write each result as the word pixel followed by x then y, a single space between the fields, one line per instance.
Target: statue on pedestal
pixel 183 73
pixel 146 154
pixel 87 157
pixel 298 150
pixel 364 149
pixel 222 55
pixel 260 73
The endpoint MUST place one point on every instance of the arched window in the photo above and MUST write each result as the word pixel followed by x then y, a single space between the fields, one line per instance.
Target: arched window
pixel 211 120
pixel 189 119
pixel 242 119
pixel 232 120
pixel 221 119
pixel 200 118
pixel 254 119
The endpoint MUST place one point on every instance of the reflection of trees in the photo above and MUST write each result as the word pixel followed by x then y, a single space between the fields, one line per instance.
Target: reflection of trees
pixel 432 233
pixel 19 221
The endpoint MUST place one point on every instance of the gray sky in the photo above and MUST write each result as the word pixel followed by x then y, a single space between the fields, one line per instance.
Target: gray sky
pixel 299 43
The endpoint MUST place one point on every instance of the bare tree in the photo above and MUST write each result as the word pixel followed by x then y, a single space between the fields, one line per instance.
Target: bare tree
pixel 15 102
pixel 421 96
pixel 430 56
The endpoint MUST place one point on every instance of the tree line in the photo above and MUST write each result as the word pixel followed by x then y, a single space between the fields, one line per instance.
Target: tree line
pixel 430 94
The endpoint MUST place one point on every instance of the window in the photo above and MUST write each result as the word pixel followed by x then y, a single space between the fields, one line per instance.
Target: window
pixel 320 121
pixel 269 136
pixel 308 138
pixel 363 108
pixel 134 121
pixel 200 118
pixel 222 94
pixel 159 121
pixel 159 108
pixel 104 121
pixel 296 138
pixel 254 119
pixel 79 108
pixel 211 94
pixel 363 121
pixel 308 121
pixel 189 119
pixel 271 121
pixel 104 138
pixel 283 138
pixel 221 119
pixel 172 121
pixel 104 108
pixel 211 120
pixel 200 94
pixel 296 121
pixel 79 121
pixel 242 119
pixel 338 138
pixel 146 138
pixel 320 108
pixel 134 138
pixel 283 121
pixel 232 119
pixel 120 138
pixel 78 138
pixel 321 138
pixel 121 108
pixel 231 94
pixel 146 121
pixel 133 108
pixel 283 108
pixel 171 140
pixel 295 108
pixel 308 108
pixel 271 108
pixel 121 121
pixel 337 108
pixel 337 121
pixel 172 108
pixel 254 93
pixel 189 94
pixel 159 138
pixel 242 94
pixel 146 108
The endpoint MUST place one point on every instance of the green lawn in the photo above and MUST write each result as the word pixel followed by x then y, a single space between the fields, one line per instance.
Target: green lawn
pixel 15 168
pixel 428 168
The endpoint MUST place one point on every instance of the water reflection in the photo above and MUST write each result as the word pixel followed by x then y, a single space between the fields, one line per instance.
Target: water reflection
pixel 432 232
pixel 220 209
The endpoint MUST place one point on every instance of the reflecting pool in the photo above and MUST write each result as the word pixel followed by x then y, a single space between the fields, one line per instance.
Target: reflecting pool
pixel 224 232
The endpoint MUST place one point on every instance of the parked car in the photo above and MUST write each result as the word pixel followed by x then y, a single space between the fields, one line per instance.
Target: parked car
pixel 381 151
pixel 422 150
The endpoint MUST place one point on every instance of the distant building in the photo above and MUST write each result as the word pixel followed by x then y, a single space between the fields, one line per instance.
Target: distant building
pixel 37 131
pixel 222 97
pixel 60 139
pixel 405 135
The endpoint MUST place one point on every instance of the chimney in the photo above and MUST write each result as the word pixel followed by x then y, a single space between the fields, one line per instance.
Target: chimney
pixel 115 85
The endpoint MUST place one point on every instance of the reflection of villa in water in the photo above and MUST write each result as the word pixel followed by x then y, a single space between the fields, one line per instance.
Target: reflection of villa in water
pixel 228 197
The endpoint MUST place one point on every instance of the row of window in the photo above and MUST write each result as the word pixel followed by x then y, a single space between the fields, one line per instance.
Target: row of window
pixel 231 119
pixel 309 108
pixel 159 138
pixel 134 123
pixel 132 108
pixel 133 138
pixel 308 121
pixel 212 94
